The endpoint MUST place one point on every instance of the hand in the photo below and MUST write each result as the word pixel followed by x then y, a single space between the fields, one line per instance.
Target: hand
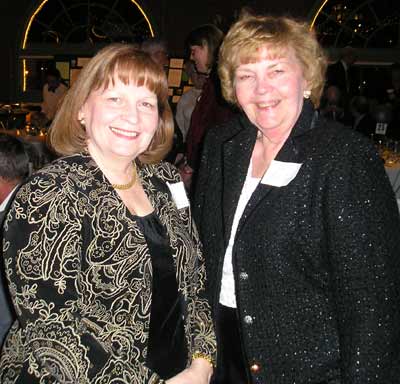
pixel 180 159
pixel 186 174
pixel 199 372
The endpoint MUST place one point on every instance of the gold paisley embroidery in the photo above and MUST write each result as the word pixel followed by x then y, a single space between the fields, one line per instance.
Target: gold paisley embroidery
pixel 85 302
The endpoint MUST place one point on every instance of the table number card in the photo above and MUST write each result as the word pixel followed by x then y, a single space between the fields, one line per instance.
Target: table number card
pixel 380 128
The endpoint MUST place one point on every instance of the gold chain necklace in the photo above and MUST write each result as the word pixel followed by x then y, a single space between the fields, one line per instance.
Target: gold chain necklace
pixel 128 185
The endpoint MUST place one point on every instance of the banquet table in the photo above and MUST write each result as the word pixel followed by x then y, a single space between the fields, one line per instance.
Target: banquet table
pixel 392 167
pixel 393 171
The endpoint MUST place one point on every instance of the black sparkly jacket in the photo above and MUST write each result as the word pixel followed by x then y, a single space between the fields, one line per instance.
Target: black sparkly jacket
pixel 80 276
pixel 316 262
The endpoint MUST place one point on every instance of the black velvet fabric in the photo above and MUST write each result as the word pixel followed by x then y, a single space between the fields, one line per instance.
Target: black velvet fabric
pixel 166 350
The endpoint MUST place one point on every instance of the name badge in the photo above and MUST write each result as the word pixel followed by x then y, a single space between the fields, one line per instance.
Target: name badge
pixel 280 173
pixel 178 193
pixel 381 128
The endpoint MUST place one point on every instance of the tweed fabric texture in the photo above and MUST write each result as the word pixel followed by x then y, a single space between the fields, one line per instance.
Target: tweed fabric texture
pixel 316 262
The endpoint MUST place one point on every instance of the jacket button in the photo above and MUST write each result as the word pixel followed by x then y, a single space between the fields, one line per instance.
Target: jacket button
pixel 255 368
pixel 243 276
pixel 248 319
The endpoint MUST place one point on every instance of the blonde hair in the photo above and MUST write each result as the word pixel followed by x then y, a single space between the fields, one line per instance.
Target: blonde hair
pixel 279 34
pixel 129 65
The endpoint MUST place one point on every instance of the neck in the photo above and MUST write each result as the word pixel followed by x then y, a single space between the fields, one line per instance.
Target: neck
pixel 118 170
pixel 273 139
pixel 264 152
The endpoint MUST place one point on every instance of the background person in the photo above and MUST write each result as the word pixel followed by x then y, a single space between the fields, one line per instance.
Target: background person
pixel 340 73
pixel 99 247
pixel 53 92
pixel 363 121
pixel 157 49
pixel 299 223
pixel 211 109
pixel 188 100
pixel 342 76
pixel 332 107
pixel 14 168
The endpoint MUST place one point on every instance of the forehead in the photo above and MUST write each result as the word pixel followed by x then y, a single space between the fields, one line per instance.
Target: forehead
pixel 130 87
pixel 268 53
pixel 132 84
pixel 127 78
pixel 197 47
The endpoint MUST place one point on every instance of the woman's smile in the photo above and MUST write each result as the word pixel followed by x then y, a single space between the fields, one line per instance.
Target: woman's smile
pixel 124 133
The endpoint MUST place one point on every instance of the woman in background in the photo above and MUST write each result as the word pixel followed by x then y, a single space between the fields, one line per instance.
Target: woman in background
pixel 299 223
pixel 53 92
pixel 102 258
pixel 211 109
pixel 188 100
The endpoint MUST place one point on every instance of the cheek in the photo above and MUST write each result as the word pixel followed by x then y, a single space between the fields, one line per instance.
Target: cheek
pixel 288 89
pixel 242 95
pixel 151 124
pixel 296 86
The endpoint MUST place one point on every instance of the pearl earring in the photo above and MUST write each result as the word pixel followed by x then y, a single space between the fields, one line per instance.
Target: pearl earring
pixel 306 94
pixel 82 121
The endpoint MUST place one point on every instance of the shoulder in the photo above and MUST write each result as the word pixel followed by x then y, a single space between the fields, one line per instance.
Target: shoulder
pixel 226 130
pixel 64 172
pixel 162 170
pixel 63 166
pixel 191 94
pixel 336 65
pixel 341 137
pixel 343 147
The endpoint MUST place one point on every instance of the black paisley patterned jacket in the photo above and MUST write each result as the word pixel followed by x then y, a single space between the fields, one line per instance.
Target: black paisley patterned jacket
pixel 80 276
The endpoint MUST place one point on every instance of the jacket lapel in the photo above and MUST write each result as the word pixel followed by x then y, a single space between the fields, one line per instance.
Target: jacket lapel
pixel 237 151
pixel 295 150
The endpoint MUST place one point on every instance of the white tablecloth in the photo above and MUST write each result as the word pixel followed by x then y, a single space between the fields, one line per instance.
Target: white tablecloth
pixel 394 177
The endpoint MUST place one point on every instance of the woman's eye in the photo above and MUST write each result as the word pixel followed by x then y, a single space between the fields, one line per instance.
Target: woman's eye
pixel 148 105
pixel 243 77
pixel 276 72
pixel 114 99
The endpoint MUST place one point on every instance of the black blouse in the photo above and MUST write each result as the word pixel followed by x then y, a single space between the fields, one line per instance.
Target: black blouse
pixel 166 350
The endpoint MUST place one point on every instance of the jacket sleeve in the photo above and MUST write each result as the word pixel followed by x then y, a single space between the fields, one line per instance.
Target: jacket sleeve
pixel 202 330
pixel 363 237
pixel 198 313
pixel 202 180
pixel 56 341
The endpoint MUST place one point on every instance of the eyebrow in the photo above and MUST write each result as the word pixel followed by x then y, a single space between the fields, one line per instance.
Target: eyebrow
pixel 270 66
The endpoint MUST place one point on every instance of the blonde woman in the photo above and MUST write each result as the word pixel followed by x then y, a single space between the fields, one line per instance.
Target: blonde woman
pixel 299 223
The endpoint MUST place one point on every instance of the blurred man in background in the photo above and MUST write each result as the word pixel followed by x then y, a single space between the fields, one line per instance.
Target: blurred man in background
pixel 14 168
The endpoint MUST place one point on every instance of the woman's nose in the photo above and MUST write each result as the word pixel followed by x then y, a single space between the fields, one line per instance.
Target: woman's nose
pixel 130 113
pixel 263 85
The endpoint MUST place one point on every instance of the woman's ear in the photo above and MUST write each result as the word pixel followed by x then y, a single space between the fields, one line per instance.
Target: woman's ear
pixel 81 116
